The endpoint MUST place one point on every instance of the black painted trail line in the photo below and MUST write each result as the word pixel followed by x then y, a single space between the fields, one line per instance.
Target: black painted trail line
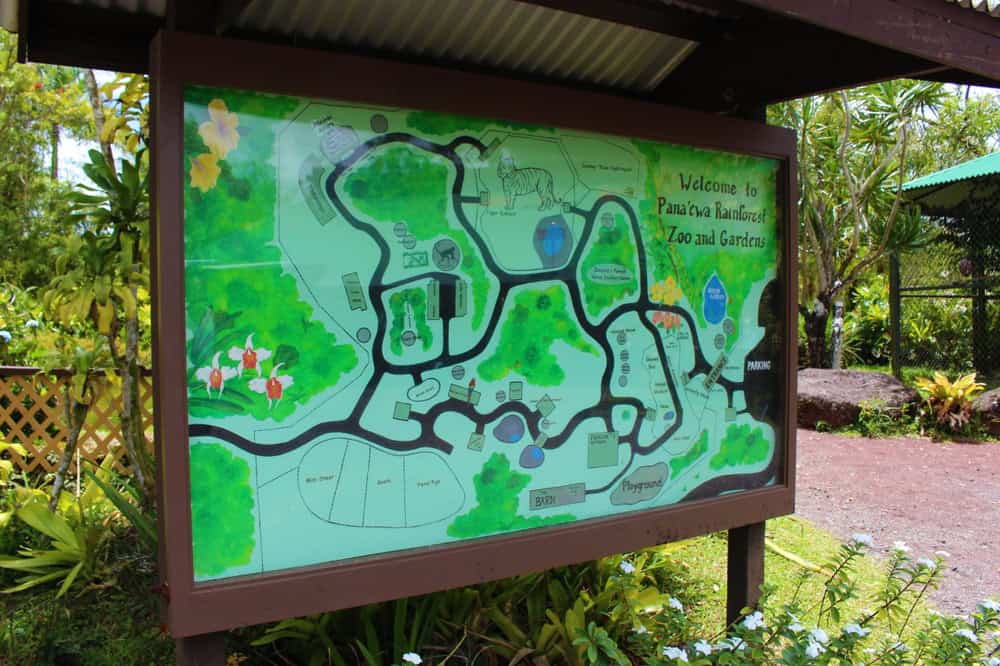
pixel 602 409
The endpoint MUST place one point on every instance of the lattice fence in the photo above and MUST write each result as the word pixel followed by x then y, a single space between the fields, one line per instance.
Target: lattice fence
pixel 33 414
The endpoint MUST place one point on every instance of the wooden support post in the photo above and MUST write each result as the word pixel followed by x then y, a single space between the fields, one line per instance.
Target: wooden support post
pixel 201 650
pixel 895 316
pixel 745 569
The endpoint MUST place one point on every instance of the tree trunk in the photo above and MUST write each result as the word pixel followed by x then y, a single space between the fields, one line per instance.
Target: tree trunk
pixel 98 109
pixel 54 163
pixel 837 336
pixel 816 318
pixel 76 416
pixel 133 433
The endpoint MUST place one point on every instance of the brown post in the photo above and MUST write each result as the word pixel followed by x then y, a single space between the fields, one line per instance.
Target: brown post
pixel 745 569
pixel 201 650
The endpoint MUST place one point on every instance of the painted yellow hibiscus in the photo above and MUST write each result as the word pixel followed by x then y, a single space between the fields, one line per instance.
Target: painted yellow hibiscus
pixel 220 133
pixel 666 292
pixel 204 171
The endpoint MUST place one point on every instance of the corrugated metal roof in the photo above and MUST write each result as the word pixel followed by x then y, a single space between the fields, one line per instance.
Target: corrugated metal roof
pixel 503 34
pixel 991 7
pixel 982 166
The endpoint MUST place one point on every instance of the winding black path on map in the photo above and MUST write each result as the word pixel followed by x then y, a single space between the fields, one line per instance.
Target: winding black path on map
pixel 427 438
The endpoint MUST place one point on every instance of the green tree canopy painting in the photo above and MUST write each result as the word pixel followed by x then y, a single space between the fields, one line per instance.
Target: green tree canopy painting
pixel 222 510
pixel 497 490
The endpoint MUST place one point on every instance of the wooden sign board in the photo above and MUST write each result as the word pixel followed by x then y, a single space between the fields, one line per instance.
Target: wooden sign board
pixel 418 329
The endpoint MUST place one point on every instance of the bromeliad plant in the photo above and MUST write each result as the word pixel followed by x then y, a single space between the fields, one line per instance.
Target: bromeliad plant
pixel 102 283
pixel 78 533
pixel 950 403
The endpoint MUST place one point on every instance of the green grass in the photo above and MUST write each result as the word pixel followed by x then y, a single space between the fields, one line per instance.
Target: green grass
pixel 911 373
pixel 701 572
pixel 117 623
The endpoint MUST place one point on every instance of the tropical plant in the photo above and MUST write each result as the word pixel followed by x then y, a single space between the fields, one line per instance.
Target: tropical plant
pixel 375 635
pixel 70 537
pixel 129 505
pixel 950 403
pixel 7 466
pixel 74 552
pixel 6 469
pixel 866 325
pixel 598 647
pixel 851 154
pixel 876 418
pixel 102 278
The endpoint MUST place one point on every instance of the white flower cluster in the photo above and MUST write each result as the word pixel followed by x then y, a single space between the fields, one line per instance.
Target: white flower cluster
pixel 754 621
pixel 968 635
pixel 675 653
pixel 856 630
pixel 862 539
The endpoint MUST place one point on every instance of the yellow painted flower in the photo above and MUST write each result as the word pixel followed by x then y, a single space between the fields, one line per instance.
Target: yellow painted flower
pixel 666 292
pixel 204 171
pixel 220 133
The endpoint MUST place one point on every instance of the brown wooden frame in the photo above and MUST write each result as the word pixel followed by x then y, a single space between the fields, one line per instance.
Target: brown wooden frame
pixel 180 59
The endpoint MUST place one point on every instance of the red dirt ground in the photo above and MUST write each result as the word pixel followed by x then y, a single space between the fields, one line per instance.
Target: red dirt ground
pixel 934 496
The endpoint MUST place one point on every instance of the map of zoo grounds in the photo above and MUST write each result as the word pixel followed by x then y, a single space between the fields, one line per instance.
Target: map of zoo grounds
pixel 407 328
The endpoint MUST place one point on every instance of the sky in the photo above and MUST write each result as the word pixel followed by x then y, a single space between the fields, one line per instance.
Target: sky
pixel 73 152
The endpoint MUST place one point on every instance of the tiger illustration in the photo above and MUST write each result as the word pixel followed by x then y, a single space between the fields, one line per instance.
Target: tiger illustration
pixel 525 181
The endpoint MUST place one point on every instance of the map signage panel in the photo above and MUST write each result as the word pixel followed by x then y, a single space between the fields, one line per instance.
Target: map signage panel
pixel 410 331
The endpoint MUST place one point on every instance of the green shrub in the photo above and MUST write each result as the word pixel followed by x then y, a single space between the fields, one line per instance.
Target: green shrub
pixel 867 333
pixel 877 419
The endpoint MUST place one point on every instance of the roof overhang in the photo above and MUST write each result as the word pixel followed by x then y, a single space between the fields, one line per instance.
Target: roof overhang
pixel 717 55
pixel 957 189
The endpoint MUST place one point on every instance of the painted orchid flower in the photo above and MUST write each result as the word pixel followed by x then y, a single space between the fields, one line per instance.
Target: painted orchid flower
pixel 214 376
pixel 248 357
pixel 220 132
pixel 273 387
pixel 204 171
pixel 667 320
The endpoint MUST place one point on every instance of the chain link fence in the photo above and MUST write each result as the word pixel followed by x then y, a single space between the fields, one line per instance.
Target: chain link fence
pixel 945 309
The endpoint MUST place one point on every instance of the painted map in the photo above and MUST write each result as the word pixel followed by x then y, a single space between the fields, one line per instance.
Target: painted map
pixel 407 328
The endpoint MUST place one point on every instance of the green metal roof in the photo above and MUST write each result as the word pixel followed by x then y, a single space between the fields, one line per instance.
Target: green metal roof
pixel 982 166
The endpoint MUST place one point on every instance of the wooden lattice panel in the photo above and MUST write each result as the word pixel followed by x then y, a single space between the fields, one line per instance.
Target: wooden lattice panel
pixel 33 414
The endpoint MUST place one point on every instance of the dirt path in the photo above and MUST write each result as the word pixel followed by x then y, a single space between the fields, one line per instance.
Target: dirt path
pixel 932 496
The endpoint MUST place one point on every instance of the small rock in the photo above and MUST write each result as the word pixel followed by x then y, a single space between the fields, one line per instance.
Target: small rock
pixel 987 407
